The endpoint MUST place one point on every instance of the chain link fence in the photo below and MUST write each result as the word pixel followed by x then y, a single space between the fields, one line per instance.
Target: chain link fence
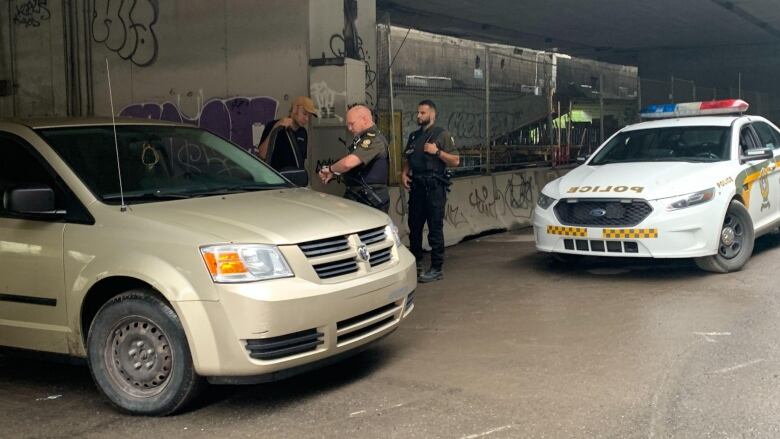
pixel 510 108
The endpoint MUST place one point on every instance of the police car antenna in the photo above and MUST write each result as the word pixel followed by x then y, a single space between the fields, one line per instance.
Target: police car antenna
pixel 122 205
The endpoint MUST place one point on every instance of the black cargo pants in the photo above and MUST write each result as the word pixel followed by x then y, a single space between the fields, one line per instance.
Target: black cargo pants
pixel 427 199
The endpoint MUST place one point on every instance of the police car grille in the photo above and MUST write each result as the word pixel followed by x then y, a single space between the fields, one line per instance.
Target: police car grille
pixel 324 247
pixel 380 256
pixel 336 268
pixel 372 236
pixel 611 212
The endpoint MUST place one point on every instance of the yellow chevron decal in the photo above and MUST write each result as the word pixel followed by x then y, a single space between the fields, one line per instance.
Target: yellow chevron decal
pixel 629 233
pixel 567 231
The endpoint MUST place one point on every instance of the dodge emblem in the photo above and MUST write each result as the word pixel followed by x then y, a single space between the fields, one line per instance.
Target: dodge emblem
pixel 363 253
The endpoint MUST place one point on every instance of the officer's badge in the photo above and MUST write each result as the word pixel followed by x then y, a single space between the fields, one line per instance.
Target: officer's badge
pixel 366 143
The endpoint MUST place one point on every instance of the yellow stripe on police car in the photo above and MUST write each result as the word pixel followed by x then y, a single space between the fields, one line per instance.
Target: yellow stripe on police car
pixel 567 231
pixel 629 233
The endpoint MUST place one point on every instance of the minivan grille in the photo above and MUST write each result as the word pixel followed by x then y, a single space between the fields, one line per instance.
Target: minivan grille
pixel 372 236
pixel 602 212
pixel 336 268
pixel 323 247
pixel 288 345
pixel 380 256
pixel 358 326
pixel 321 252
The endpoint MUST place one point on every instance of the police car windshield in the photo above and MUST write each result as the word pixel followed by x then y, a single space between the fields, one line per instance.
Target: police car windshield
pixel 158 163
pixel 670 144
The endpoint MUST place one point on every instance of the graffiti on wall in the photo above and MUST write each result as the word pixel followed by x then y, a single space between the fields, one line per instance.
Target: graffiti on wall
pixel 480 203
pixel 126 28
pixel 514 199
pixel 325 99
pixel 231 118
pixel 30 13
pixel 348 44
pixel 337 49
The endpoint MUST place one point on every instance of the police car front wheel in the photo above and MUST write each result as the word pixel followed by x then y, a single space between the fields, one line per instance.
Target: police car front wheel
pixel 735 242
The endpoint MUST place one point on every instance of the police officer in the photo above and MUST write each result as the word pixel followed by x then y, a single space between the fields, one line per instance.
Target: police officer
pixel 364 169
pixel 429 152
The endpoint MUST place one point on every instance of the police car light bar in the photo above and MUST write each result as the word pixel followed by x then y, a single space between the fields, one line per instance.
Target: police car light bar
pixel 724 106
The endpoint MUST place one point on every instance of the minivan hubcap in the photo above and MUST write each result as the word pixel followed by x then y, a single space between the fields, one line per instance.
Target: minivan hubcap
pixel 138 356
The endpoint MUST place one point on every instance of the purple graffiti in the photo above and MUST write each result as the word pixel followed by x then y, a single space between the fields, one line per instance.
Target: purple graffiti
pixel 230 118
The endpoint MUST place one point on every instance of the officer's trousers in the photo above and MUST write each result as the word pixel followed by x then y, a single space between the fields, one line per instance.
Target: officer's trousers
pixel 426 204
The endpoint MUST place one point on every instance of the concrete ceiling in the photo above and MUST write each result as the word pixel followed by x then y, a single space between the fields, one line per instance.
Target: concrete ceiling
pixel 608 30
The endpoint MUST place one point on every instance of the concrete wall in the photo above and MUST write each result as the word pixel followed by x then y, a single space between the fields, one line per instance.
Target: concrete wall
pixel 481 203
pixel 343 85
pixel 34 34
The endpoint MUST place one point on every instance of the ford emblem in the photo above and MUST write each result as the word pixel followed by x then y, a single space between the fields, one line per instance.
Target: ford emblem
pixel 598 212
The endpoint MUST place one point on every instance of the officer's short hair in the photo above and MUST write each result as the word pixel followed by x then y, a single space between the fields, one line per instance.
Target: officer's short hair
pixel 428 102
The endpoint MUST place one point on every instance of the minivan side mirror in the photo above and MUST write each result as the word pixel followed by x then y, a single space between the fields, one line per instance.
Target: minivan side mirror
pixel 756 154
pixel 36 200
pixel 298 177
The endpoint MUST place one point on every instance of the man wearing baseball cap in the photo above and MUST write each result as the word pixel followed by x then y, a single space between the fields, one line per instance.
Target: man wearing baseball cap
pixel 284 142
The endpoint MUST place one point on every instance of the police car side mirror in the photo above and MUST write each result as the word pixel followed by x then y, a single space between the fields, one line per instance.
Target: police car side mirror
pixel 582 159
pixel 756 154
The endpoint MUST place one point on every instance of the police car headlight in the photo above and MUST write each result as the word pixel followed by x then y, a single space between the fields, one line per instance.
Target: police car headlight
pixel 683 201
pixel 544 201
pixel 245 263
pixel 392 230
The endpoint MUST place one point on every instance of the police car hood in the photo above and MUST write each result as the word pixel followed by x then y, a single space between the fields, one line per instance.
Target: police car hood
pixel 647 180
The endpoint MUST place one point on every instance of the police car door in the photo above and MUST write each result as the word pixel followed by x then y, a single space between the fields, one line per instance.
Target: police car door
pixel 768 137
pixel 32 296
pixel 755 184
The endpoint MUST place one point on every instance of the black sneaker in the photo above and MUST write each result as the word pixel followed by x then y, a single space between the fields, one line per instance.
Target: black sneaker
pixel 431 275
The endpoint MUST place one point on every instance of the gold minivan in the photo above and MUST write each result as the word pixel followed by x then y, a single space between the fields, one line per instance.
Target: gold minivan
pixel 169 257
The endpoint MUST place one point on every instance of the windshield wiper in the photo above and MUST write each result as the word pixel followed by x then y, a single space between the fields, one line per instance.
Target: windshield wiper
pixel 239 189
pixel 147 196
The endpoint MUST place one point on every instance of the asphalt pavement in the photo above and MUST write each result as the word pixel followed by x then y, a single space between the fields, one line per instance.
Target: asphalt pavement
pixel 509 345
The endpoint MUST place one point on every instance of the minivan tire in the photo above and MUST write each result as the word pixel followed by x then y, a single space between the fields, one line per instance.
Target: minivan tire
pixel 735 242
pixel 139 356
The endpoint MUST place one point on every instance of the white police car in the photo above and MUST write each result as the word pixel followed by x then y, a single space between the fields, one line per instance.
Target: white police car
pixel 701 183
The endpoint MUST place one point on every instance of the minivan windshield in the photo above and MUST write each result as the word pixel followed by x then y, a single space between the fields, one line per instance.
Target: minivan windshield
pixel 158 163
pixel 670 144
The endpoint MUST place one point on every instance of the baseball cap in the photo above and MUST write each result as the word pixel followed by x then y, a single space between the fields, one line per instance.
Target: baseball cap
pixel 307 104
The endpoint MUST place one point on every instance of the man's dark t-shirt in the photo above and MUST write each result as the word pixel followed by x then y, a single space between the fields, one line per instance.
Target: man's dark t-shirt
pixel 281 155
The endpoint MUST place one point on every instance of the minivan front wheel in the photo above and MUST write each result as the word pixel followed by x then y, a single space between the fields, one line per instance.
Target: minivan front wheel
pixel 735 242
pixel 139 356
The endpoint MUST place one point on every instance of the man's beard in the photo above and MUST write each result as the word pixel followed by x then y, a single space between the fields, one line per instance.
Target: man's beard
pixel 423 122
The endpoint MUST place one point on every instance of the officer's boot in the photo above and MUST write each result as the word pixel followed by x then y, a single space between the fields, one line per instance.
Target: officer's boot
pixel 431 275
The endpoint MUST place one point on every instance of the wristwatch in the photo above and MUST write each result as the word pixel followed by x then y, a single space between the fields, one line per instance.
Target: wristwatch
pixel 438 153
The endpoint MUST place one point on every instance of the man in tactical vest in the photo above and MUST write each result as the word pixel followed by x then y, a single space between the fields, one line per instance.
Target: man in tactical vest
pixel 364 169
pixel 429 152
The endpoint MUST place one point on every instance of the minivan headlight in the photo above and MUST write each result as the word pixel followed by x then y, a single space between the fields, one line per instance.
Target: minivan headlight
pixel 392 230
pixel 245 263
pixel 688 200
pixel 544 201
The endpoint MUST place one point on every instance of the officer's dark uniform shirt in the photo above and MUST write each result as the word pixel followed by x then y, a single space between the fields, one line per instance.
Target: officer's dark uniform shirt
pixel 371 148
pixel 422 163
pixel 281 155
